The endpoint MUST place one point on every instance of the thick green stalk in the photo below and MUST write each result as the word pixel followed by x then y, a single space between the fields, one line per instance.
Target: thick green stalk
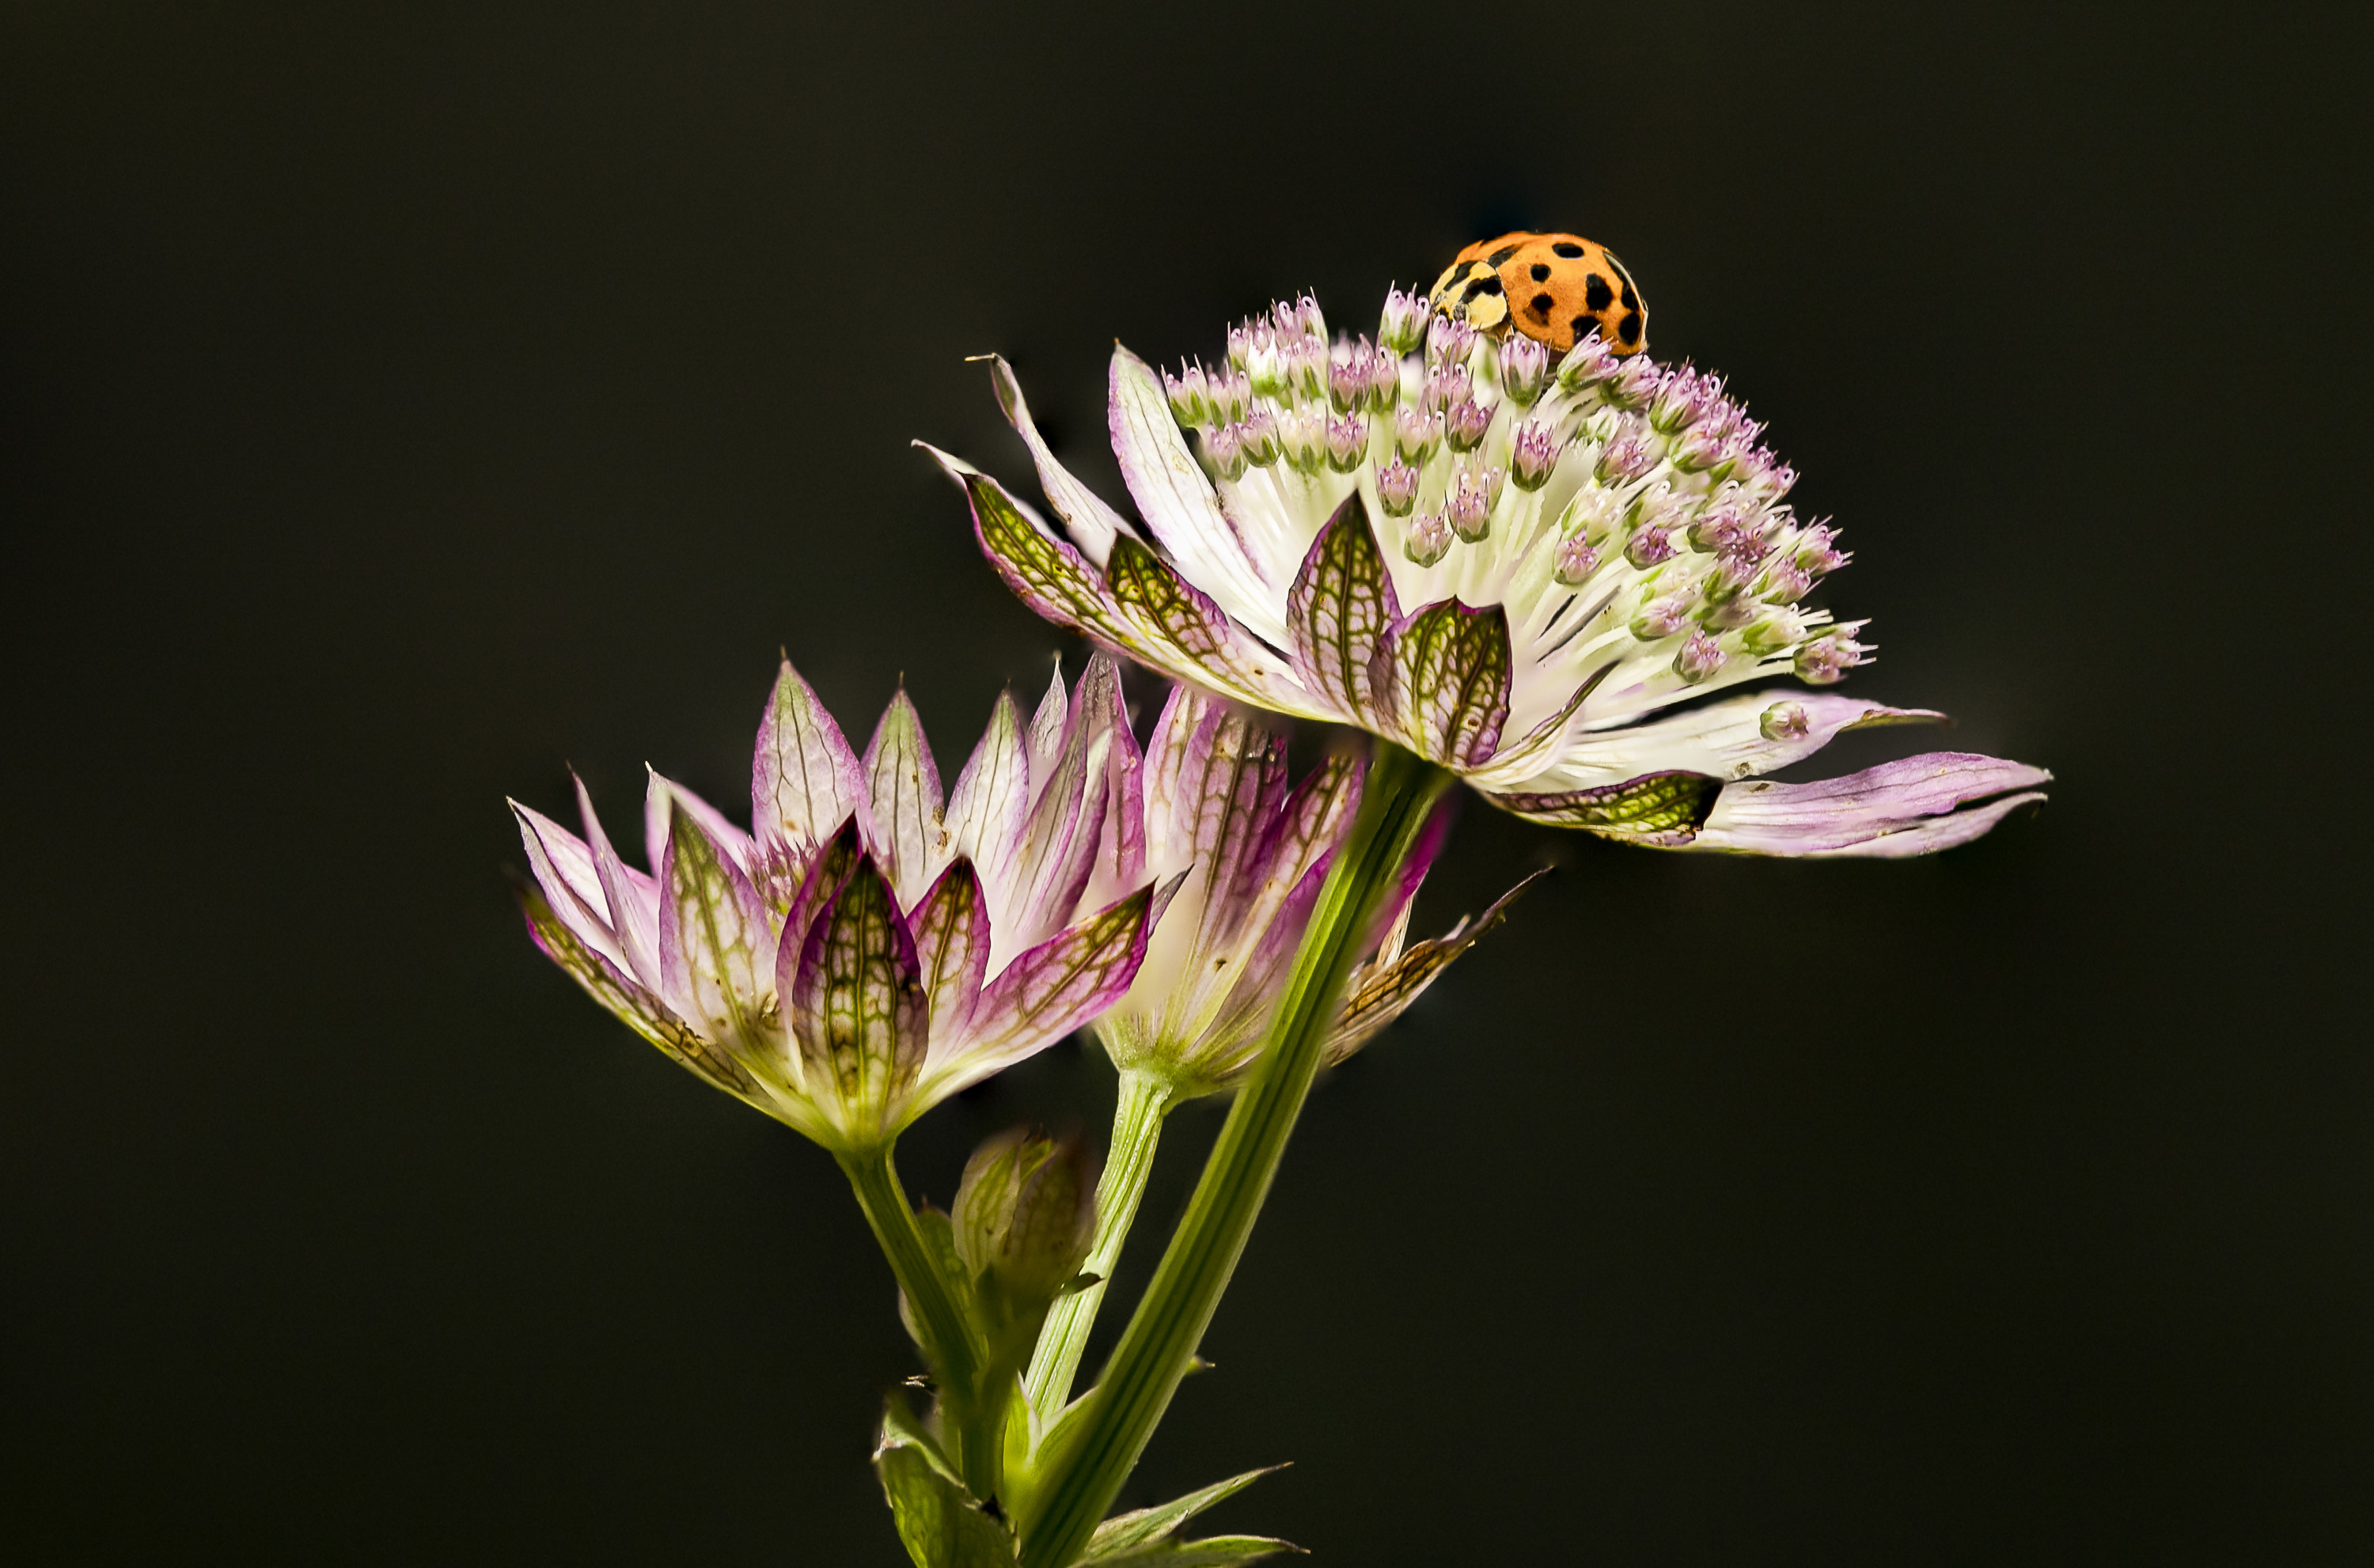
pixel 1092 1460
pixel 954 1346
pixel 1137 1128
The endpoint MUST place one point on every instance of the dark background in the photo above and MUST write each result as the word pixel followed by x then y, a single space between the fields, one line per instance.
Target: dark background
pixel 398 407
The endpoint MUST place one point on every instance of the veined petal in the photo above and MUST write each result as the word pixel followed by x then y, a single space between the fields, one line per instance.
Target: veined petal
pixel 1121 857
pixel 1179 503
pixel 1050 722
pixel 992 801
pixel 1313 818
pixel 951 929
pixel 1733 737
pixel 1059 842
pixel 1176 757
pixel 1382 990
pixel 1224 1041
pixel 805 781
pixel 1092 524
pixel 827 870
pixel 633 897
pixel 714 944
pixel 1892 810
pixel 1443 673
pixel 902 805
pixel 636 1005
pixel 664 800
pixel 1166 609
pixel 1341 605
pixel 1235 805
pixel 1049 991
pixel 564 868
pixel 858 1008
pixel 1662 810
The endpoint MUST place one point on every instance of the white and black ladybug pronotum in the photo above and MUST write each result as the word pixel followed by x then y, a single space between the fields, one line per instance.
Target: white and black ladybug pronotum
pixel 1551 288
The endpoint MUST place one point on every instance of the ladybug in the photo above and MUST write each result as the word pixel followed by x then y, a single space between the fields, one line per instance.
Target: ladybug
pixel 1551 288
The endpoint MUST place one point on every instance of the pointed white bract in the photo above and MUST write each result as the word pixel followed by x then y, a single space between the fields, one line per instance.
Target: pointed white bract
pixel 1512 571
pixel 871 947
pixel 1254 851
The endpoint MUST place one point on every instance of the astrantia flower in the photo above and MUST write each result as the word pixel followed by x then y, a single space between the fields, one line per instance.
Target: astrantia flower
pixel 874 948
pixel 1255 853
pixel 1516 576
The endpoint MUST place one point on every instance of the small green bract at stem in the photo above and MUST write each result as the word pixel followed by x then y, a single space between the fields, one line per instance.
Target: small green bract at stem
pixel 1088 1463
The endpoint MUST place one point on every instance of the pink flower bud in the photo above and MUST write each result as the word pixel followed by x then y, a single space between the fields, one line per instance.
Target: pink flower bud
pixel 1430 538
pixel 1700 657
pixel 1574 563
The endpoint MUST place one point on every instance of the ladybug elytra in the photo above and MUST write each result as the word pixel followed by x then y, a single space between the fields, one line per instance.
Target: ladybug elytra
pixel 1551 288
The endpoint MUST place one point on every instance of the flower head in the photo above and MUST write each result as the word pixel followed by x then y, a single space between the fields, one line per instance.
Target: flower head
pixel 1529 636
pixel 1254 851
pixel 873 946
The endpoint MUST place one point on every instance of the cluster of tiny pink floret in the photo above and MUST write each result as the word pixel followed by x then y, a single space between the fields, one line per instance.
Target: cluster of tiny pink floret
pixel 1669 474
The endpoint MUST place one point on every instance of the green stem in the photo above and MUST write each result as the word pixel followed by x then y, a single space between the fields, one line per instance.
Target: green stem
pixel 1137 1128
pixel 1155 1350
pixel 952 1345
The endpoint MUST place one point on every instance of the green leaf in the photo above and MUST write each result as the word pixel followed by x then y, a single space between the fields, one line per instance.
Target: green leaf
pixel 1661 809
pixel 939 1523
pixel 1127 1532
pixel 1213 1551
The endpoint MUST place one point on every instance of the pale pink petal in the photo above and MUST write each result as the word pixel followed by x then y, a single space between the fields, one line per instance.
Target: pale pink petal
pixel 1178 502
pixel 716 949
pixel 637 1007
pixel 1049 991
pixel 663 799
pixel 1911 807
pixel 803 778
pixel 563 867
pixel 991 804
pixel 633 897
pixel 1092 524
pixel 1737 737
pixel 901 814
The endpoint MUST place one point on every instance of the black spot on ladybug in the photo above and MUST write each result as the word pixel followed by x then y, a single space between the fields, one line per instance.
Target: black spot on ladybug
pixel 1541 306
pixel 1581 326
pixel 1568 248
pixel 1486 285
pixel 1629 330
pixel 1596 294
pixel 1541 271
pixel 1502 254
pixel 1631 301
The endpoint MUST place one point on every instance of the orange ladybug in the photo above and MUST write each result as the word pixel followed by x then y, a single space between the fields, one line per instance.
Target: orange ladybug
pixel 1551 288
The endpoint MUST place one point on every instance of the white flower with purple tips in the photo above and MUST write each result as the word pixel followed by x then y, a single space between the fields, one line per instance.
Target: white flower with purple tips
pixel 1531 637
